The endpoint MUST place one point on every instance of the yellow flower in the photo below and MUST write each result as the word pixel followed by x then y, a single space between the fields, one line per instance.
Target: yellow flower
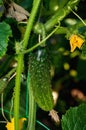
pixel 10 125
pixel 75 41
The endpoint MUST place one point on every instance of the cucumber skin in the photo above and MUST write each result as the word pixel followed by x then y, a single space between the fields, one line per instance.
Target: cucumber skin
pixel 40 80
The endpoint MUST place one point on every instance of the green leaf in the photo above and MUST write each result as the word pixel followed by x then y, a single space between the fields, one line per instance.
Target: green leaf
pixel 5 33
pixel 75 118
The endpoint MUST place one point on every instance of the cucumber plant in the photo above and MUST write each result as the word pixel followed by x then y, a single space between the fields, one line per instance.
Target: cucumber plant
pixel 37 55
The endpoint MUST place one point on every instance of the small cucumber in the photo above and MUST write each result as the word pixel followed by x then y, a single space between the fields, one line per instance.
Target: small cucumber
pixel 40 80
pixel 3 84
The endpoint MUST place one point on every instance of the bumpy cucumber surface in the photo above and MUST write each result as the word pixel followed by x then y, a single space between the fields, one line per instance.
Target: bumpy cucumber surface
pixel 40 80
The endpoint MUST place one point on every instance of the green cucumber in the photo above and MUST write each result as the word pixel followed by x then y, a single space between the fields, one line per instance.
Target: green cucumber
pixel 3 84
pixel 40 80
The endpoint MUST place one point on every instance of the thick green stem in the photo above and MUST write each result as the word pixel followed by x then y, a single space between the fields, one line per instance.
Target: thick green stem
pixel 57 17
pixel 17 92
pixel 30 22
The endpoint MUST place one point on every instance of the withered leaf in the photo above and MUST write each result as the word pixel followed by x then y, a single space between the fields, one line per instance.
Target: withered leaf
pixel 17 12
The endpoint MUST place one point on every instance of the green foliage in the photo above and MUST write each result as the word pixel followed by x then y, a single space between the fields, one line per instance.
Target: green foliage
pixel 35 58
pixel 75 118
pixel 5 33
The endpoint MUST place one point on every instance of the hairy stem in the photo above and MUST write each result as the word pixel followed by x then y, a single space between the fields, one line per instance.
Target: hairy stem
pixel 17 92
pixel 30 22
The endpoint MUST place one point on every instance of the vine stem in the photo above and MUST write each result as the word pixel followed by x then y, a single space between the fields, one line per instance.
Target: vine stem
pixel 57 17
pixel 20 63
pixel 41 42
pixel 78 16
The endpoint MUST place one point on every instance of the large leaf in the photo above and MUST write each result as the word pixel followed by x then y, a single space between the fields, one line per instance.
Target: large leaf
pixel 75 118
pixel 5 33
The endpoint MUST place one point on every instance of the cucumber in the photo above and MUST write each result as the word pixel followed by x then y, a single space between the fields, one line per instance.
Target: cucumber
pixel 40 80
